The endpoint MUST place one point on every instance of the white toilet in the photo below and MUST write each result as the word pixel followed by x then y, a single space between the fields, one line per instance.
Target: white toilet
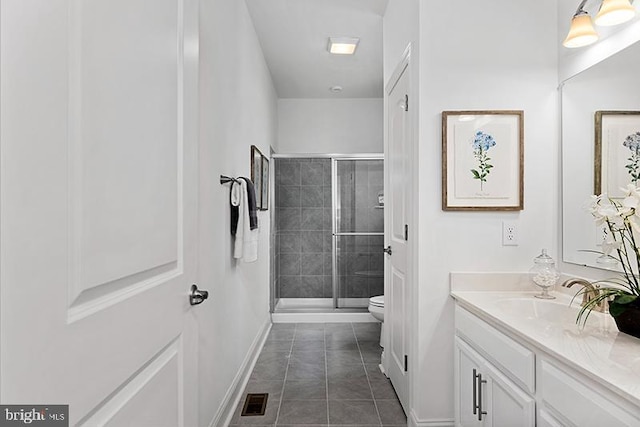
pixel 376 308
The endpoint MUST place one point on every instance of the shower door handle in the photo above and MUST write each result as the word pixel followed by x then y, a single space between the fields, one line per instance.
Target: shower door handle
pixel 387 250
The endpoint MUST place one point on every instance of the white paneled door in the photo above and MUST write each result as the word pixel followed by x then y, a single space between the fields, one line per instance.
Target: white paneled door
pixel 397 282
pixel 98 190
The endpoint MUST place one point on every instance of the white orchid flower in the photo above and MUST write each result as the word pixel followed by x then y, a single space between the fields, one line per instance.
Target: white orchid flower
pixel 608 212
pixel 631 202
pixel 593 204
pixel 631 191
pixel 610 244
pixel 634 220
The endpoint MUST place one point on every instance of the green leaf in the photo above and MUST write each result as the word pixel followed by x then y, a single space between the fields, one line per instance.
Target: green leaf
pixel 617 309
pixel 625 299
pixel 475 173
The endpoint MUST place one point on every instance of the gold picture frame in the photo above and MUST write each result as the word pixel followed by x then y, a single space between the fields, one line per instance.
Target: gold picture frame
pixel 616 132
pixel 483 160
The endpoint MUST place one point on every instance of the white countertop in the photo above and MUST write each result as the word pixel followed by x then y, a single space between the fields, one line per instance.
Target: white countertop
pixel 598 350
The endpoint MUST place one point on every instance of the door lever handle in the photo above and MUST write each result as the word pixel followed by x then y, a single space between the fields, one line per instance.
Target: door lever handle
pixel 387 250
pixel 197 296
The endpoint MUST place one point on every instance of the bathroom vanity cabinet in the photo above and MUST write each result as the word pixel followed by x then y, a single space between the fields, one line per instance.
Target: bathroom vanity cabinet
pixel 505 379
pixel 485 394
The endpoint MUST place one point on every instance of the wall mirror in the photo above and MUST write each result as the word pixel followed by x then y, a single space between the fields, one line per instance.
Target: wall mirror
pixel 599 108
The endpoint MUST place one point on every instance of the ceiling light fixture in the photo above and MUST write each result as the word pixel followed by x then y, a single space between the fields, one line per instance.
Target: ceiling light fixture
pixel 335 89
pixel 342 45
pixel 612 12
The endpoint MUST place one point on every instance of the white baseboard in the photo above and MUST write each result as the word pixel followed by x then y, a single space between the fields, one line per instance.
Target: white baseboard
pixel 234 393
pixel 413 421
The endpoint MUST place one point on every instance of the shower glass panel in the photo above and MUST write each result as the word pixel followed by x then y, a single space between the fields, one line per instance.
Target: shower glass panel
pixel 358 231
pixel 303 250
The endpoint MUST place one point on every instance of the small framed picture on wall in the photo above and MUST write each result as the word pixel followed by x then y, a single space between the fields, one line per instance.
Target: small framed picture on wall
pixel 256 174
pixel 264 182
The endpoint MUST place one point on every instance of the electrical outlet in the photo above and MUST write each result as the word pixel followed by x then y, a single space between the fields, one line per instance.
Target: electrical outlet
pixel 509 233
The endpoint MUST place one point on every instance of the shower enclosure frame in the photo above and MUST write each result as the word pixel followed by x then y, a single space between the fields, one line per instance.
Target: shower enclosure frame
pixel 335 199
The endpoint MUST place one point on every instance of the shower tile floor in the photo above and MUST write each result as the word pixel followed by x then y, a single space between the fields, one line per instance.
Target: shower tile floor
pixel 322 374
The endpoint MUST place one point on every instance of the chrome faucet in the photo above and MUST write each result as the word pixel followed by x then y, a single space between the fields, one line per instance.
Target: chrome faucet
pixel 589 293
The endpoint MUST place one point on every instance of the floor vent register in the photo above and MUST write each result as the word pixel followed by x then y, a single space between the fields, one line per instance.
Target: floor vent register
pixel 255 404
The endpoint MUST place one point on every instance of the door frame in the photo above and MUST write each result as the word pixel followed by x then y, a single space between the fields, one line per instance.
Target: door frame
pixel 405 65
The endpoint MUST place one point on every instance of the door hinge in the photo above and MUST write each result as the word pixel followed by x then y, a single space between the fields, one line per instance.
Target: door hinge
pixel 406 363
pixel 406 102
pixel 406 232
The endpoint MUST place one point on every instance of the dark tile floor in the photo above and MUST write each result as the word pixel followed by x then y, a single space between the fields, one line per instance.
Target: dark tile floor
pixel 322 374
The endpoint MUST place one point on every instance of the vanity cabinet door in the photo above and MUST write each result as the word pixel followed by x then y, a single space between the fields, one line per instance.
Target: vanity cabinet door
pixel 467 366
pixel 484 396
pixel 507 405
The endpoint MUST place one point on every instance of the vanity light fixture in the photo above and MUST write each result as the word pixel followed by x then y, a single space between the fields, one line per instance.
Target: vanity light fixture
pixel 342 45
pixel 581 32
pixel 612 12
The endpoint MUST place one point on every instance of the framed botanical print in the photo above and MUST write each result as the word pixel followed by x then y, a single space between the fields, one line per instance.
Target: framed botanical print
pixel 617 152
pixel 483 160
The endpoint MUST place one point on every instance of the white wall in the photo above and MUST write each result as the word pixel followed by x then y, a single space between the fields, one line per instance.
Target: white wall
pixel 399 28
pixel 329 126
pixel 238 108
pixel 478 56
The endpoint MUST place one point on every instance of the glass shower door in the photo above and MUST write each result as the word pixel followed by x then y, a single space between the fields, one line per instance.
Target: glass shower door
pixel 358 231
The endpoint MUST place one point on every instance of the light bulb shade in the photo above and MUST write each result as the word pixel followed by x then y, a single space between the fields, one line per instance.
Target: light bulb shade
pixel 581 32
pixel 614 12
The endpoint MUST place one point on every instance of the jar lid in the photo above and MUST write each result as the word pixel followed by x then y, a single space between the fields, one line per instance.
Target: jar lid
pixel 543 258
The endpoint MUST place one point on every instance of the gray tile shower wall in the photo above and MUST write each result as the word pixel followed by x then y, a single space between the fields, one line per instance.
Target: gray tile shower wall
pixel 303 228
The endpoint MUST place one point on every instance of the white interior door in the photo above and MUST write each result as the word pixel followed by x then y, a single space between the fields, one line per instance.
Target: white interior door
pixel 396 272
pixel 98 192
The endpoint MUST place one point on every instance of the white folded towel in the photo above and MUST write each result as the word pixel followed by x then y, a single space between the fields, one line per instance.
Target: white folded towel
pixel 246 243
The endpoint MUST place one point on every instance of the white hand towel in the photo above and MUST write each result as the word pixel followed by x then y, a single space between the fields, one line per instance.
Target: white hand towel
pixel 246 244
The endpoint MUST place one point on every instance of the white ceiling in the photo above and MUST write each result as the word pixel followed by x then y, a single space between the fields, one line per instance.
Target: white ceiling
pixel 293 35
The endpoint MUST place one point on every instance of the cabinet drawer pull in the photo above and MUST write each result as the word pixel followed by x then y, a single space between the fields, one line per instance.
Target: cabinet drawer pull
pixel 475 393
pixel 480 411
